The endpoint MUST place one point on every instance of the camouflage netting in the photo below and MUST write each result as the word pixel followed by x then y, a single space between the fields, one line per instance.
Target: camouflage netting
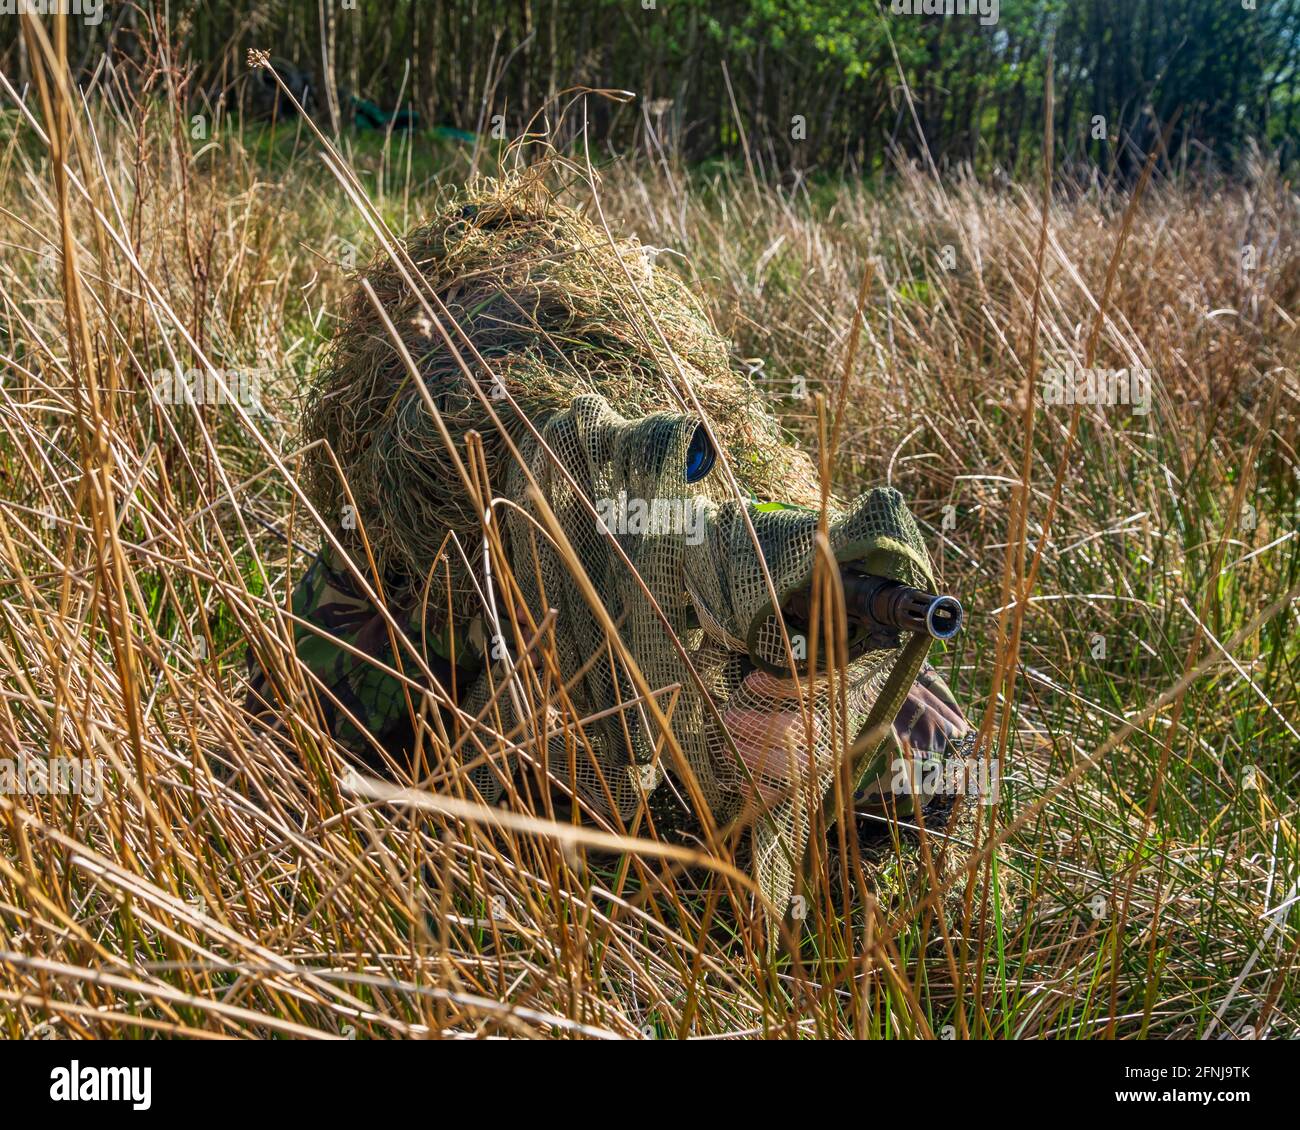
pixel 551 312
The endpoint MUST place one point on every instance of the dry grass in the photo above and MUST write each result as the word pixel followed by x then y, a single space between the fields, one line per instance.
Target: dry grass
pixel 221 888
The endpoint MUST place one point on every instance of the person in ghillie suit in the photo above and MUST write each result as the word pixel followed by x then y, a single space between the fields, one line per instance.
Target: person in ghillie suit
pixel 570 378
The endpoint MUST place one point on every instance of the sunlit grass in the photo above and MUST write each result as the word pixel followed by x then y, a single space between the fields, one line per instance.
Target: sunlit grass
pixel 228 887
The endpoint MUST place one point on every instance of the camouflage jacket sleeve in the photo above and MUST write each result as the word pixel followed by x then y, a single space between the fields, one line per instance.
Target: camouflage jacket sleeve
pixel 331 611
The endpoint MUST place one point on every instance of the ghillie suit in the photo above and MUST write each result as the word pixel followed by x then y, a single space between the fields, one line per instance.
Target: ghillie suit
pixel 565 369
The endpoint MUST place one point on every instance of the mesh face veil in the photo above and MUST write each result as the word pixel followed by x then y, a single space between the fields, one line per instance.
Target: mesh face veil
pixel 690 596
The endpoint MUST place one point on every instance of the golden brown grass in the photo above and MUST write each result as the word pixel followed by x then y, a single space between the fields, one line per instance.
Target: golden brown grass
pixel 221 888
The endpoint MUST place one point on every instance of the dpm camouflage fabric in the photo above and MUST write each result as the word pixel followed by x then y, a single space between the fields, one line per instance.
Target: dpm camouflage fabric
pixel 346 646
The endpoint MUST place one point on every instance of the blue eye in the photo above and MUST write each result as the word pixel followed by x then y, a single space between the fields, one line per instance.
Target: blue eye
pixel 699 456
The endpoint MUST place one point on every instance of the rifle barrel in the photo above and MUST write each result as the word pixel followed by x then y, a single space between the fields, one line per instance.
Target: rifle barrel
pixel 901 607
pixel 881 603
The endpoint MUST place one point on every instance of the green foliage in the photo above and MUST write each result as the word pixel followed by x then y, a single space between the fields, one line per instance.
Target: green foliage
pixel 847 67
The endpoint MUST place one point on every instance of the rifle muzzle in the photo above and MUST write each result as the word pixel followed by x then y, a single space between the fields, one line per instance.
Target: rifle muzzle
pixel 881 605
pixel 879 602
